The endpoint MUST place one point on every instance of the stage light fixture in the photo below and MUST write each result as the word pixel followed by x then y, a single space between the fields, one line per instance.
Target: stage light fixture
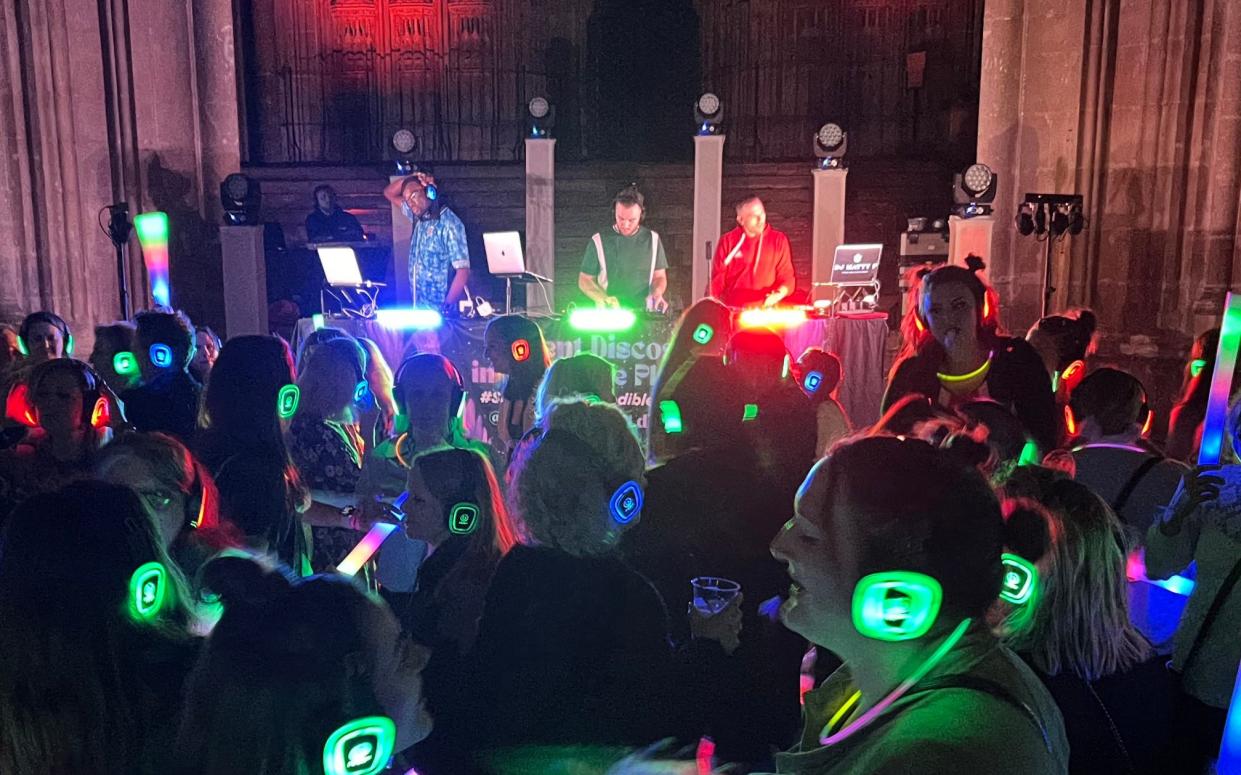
pixel 1059 220
pixel 405 144
pixel 542 117
pixel 830 144
pixel 973 190
pixel 708 114
pixel 1052 215
pixel 1025 219
pixel 240 197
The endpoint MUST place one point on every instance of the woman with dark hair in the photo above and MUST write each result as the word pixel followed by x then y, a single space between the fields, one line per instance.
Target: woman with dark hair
pixel 702 331
pixel 515 347
pixel 252 391
pixel 69 413
pixel 1114 691
pixel 110 341
pixel 710 511
pixel 1063 342
pixel 1185 421
pixel 818 372
pixel 954 352
pixel 95 642
pixel 177 491
pixel 291 669
pixel 207 349
pixel 897 580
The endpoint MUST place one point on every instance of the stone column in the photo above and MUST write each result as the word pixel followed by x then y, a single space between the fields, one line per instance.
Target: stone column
pixel 708 191
pixel 828 228
pixel 1029 100
pixel 541 220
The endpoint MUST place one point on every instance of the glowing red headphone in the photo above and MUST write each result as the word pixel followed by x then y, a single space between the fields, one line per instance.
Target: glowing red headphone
pixel 19 404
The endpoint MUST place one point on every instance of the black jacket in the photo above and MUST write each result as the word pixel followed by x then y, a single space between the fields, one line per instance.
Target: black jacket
pixel 1017 380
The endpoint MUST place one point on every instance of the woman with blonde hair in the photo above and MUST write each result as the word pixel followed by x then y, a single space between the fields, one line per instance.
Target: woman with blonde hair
pixel 584 375
pixel 1114 691
pixel 566 617
pixel 327 444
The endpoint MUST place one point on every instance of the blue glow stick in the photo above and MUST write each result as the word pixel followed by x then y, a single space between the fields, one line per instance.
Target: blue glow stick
pixel 1213 426
pixel 1230 751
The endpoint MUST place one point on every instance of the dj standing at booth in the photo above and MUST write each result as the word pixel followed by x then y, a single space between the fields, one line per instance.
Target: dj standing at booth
pixel 626 266
pixel 439 259
pixel 752 263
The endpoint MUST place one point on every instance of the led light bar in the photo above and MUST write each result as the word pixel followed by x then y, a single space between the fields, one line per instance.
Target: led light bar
pixel 410 319
pixel 771 317
pixel 602 320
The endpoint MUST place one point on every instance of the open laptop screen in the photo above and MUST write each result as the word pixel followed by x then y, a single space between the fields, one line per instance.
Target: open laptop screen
pixel 504 256
pixel 340 266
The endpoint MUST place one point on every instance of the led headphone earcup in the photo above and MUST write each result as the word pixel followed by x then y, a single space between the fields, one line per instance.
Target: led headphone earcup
pixel 19 408
pixel 69 344
pixel 1148 421
pixel 22 347
pixel 101 413
pixel 1070 420
pixel 1073 375
pixel 896 605
pixel 362 746
pixel 463 518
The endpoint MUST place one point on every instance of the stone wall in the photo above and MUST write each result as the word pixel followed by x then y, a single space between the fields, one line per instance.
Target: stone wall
pixel 110 101
pixel 1135 105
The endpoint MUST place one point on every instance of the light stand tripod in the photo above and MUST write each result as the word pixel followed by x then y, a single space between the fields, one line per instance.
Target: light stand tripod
pixel 1050 217
pixel 118 230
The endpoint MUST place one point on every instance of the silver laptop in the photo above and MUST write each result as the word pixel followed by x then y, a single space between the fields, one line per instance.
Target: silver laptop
pixel 854 265
pixel 505 257
pixel 340 267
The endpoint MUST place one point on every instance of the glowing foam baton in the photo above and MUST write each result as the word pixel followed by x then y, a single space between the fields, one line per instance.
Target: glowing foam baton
pixel 371 542
pixel 152 231
pixel 1213 425
pixel 1230 751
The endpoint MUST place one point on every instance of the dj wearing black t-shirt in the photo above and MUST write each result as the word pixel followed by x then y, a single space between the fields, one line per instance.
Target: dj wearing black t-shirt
pixel 625 266
pixel 328 222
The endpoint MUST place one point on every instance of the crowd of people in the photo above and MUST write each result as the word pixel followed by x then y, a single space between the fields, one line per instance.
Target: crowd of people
pixel 753 584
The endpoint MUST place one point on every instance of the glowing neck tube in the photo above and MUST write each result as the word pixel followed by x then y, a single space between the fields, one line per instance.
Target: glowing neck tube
pixel 899 691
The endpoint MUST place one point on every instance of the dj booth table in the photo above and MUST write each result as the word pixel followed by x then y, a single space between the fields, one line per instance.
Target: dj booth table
pixel 858 341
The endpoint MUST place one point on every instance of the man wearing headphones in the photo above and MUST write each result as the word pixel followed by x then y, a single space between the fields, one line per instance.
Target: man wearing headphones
pixel 439 258
pixel 626 266
pixel 328 222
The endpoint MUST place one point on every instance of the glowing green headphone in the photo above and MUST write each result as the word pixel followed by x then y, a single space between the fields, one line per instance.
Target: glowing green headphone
pixel 287 400
pixel 148 589
pixel 896 605
pixel 363 746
